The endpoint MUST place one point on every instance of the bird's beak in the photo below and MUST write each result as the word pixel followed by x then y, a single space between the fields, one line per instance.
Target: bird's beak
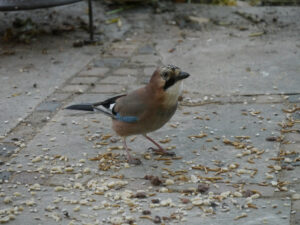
pixel 182 75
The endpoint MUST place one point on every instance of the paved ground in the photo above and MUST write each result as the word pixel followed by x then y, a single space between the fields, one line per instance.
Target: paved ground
pixel 236 132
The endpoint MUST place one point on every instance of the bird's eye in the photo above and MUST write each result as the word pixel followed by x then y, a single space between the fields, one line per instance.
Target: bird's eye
pixel 165 75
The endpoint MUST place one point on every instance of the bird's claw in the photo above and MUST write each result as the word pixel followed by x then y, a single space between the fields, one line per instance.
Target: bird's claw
pixel 161 152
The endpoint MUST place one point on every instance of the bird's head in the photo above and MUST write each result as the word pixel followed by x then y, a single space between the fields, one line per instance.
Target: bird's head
pixel 168 76
pixel 167 80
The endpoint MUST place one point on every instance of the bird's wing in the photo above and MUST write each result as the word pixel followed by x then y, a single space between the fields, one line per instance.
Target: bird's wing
pixel 107 106
pixel 126 108
pixel 130 108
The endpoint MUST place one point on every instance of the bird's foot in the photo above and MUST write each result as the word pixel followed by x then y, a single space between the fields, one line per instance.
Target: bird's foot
pixel 134 161
pixel 161 152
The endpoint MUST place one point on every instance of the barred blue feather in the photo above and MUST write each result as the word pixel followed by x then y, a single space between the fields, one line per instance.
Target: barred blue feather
pixel 127 119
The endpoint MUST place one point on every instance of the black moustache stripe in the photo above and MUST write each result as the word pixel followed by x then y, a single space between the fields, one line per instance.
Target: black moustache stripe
pixel 169 83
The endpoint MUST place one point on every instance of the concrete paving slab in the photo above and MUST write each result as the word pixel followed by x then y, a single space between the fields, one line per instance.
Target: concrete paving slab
pixel 84 80
pixel 126 71
pixel 147 60
pixel 146 49
pixel 108 88
pixel 75 88
pixel 7 149
pixel 79 126
pixel 48 106
pixel 94 71
pixel 273 76
pixel 125 80
pixel 72 204
pixel 110 62
pixel 15 92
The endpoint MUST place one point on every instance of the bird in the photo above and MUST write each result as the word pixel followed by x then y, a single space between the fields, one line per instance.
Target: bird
pixel 143 110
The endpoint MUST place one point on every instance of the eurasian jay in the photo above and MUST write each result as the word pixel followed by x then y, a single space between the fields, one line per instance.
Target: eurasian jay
pixel 145 109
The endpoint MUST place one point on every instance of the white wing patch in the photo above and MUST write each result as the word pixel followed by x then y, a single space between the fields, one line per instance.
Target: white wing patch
pixel 111 106
pixel 102 109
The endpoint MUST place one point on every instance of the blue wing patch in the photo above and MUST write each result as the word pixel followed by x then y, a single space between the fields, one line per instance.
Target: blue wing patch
pixel 127 119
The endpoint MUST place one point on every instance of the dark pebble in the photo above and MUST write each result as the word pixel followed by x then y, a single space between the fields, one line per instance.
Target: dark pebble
pixel 248 193
pixel 271 139
pixel 146 212
pixel 155 201
pixel 157 219
pixel 156 181
pixel 141 195
pixel 202 188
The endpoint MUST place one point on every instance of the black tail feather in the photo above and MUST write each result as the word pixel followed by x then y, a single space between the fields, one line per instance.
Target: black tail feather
pixel 84 107
pixel 103 107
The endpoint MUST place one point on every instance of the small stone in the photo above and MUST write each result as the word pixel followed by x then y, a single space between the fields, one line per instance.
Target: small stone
pixel 296 196
pixel 52 139
pixel 35 187
pixel 146 212
pixel 157 219
pixel 287 160
pixel 241 216
pixel 243 171
pixel 247 152
pixel 76 209
pixel 166 202
pixel 237 194
pixel 225 194
pixel 289 167
pixel 155 201
pixel 78 175
pixel 274 183
pixel 232 166
pixel 7 200
pixel 17 194
pixel 140 195
pixel 269 176
pixel 277 168
pixel 116 220
pixel 78 186
pixel 156 181
pixel 284 188
pixel 197 201
pixel 86 170
pixel 271 139
pixel 169 182
pixel 111 184
pixel 194 179
pixel 185 200
pixel 36 159
pixel 163 190
pixel 69 169
pixel 239 155
pixel 30 202
pixel 248 193
pixel 255 196
pixel 202 188
pixel 59 188
pixel 4 219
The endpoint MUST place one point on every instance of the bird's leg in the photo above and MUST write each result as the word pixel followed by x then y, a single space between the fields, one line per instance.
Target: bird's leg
pixel 129 157
pixel 160 150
